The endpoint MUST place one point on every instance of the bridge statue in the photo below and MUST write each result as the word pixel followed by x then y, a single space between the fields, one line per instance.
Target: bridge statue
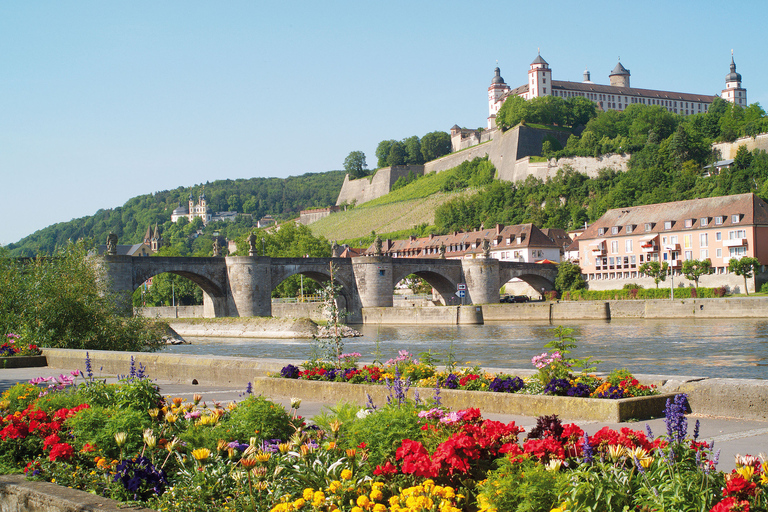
pixel 442 251
pixel 112 244
pixel 216 248
pixel 486 248
pixel 335 249
pixel 251 244
pixel 377 246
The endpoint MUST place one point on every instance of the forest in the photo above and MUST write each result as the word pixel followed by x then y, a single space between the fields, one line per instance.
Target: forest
pixel 256 197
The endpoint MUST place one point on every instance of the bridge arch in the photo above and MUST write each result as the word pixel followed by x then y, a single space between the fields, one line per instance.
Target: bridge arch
pixel 318 269
pixel 444 285
pixel 537 276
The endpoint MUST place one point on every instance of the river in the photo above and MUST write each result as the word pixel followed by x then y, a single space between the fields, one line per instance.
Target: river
pixel 732 348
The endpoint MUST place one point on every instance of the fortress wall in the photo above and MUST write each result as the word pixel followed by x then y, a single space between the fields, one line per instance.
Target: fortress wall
pixel 369 188
pixel 584 165
pixel 728 149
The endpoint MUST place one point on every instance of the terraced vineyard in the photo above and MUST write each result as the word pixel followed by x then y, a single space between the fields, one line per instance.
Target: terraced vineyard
pixel 384 218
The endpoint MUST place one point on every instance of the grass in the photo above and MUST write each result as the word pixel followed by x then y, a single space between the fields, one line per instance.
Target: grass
pixel 389 217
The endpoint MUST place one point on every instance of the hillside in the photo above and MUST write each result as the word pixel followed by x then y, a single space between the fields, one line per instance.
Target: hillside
pixel 281 198
pixel 383 218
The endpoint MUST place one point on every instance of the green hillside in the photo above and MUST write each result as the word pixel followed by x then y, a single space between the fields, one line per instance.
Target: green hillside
pixel 281 198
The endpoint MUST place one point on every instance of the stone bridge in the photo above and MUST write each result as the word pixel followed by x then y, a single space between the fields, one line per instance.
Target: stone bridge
pixel 242 285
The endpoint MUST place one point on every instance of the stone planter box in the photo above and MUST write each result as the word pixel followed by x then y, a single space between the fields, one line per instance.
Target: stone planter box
pixel 23 361
pixel 567 408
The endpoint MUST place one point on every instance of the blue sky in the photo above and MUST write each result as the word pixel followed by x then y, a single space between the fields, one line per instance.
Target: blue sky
pixel 103 101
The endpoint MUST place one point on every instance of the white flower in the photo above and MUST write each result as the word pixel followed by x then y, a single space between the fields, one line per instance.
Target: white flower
pixel 363 413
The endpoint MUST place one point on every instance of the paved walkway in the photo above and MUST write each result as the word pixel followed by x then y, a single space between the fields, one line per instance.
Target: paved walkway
pixel 731 435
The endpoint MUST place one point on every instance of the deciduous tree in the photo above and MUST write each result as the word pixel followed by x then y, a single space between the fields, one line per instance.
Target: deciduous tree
pixel 694 269
pixel 658 271
pixel 355 165
pixel 745 267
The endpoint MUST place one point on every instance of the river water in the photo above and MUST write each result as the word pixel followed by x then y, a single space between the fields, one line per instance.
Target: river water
pixel 733 348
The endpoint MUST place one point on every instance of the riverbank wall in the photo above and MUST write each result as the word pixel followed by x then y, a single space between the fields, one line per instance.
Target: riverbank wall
pixel 733 398
pixel 252 327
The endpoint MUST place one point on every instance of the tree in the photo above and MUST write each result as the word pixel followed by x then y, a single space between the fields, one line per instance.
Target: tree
pixel 746 267
pixel 658 271
pixel 743 158
pixel 355 165
pixel 413 151
pixel 435 144
pixel 569 277
pixel 397 154
pixel 382 152
pixel 694 269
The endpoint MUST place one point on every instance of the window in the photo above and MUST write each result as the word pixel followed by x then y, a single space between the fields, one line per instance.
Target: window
pixel 703 239
pixel 667 224
pixel 739 233
pixel 737 252
pixel 648 226
pixel 673 240
pixel 703 254
pixel 615 230
pixel 687 241
pixel 381 271
pixel 629 228
pixel 688 223
pixel 633 260
pixel 611 261
pixel 628 246
pixel 718 236
pixel 735 218
pixel 719 253
pixel 688 255
pixel 601 231
pixel 614 246
pixel 718 220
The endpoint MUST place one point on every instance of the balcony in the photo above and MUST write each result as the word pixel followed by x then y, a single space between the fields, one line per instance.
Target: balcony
pixel 675 263
pixel 735 242
pixel 649 248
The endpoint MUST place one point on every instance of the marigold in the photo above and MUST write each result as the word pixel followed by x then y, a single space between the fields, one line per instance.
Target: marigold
pixel 346 474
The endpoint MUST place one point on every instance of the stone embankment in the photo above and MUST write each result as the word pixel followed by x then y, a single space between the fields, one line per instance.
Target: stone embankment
pixel 254 327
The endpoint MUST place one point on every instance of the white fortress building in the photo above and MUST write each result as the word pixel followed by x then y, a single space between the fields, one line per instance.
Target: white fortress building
pixel 616 96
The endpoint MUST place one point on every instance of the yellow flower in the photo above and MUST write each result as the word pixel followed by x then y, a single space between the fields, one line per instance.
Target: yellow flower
pixel 308 493
pixel 346 474
pixel 201 454
pixel 379 507
pixel 363 501
pixel 299 503
pixel 262 456
pixel 747 472
pixel 377 495
pixel 120 438
pixel 334 486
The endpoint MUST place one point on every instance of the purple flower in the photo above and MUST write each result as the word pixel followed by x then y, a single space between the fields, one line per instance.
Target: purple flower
pixel 587 451
pixel 677 425
pixel 506 384
pixel 290 372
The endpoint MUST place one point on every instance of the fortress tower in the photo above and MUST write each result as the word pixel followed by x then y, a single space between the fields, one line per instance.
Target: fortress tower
pixel 733 91
pixel 619 77
pixel 539 78
pixel 496 94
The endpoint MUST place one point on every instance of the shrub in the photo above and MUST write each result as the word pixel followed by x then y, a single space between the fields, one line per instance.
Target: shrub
pixel 383 430
pixel 97 426
pixel 256 417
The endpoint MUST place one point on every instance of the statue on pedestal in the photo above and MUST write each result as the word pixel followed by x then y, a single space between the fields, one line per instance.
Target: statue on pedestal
pixel 112 244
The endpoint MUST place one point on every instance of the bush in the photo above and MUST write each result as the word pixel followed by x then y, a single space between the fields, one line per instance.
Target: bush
pixel 97 426
pixel 256 417
pixel 383 431
pixel 61 301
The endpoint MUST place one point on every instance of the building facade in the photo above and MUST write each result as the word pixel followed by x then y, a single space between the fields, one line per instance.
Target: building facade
pixel 616 96
pixel 612 249
pixel 520 243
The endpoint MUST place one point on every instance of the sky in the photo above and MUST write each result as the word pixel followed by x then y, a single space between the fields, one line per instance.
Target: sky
pixel 104 101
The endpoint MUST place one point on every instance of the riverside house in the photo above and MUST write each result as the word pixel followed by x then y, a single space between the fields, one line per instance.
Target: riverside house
pixel 718 228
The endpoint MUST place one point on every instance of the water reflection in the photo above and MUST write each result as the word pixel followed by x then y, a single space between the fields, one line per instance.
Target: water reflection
pixel 736 348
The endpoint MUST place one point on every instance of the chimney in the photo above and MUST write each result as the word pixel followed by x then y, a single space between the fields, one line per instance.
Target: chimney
pixel 499 228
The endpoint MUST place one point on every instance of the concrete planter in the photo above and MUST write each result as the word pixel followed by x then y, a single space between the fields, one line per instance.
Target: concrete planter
pixel 23 361
pixel 568 408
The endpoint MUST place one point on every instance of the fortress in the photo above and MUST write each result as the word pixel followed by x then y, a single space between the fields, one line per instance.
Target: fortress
pixel 511 151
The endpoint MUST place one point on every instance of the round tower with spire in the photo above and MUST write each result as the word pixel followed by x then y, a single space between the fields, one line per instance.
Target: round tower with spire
pixel 496 94
pixel 619 76
pixel 733 91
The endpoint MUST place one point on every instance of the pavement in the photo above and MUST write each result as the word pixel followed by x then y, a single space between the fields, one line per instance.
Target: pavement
pixel 732 436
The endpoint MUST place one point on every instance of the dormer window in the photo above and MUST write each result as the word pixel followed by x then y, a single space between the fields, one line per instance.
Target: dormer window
pixel 648 226
pixel 735 218
pixel 689 223
pixel 615 230
pixel 601 231
pixel 703 221
pixel 718 220
pixel 667 224
pixel 630 228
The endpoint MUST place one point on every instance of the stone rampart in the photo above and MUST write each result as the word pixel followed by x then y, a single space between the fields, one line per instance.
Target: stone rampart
pixel 366 189
pixel 728 149
pixel 307 217
pixel 581 164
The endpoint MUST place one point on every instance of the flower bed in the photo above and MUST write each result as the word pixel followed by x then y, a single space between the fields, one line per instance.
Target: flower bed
pixel 126 442
pixel 14 354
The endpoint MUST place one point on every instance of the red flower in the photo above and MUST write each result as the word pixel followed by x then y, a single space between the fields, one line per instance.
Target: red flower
pixel 387 469
pixel 50 441
pixel 61 451
pixel 731 504
pixel 737 485
pixel 603 438
pixel 544 449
